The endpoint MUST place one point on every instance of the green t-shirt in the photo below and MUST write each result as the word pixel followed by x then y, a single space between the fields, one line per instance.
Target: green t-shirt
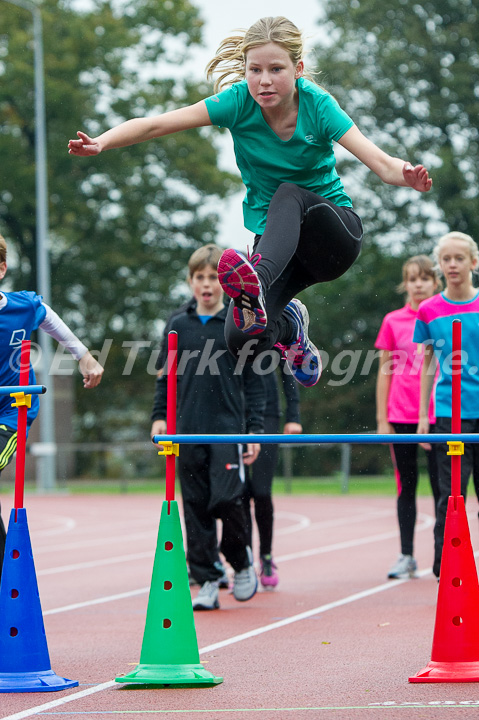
pixel 265 161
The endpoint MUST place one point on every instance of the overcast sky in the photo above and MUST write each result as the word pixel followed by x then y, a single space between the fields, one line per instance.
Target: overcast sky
pixel 220 19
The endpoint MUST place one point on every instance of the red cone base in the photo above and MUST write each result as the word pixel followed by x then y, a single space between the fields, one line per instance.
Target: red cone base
pixel 455 648
pixel 436 672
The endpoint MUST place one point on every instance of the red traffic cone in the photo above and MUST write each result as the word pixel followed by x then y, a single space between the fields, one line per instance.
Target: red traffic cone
pixel 455 647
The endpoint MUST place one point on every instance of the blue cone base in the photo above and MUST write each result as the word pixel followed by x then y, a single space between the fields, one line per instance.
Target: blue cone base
pixel 46 681
pixel 167 675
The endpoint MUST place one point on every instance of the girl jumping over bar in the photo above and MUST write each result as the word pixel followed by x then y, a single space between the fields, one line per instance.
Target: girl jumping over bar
pixel 283 126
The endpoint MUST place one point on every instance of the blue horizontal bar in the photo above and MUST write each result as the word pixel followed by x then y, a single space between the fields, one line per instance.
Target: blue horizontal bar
pixel 369 439
pixel 27 389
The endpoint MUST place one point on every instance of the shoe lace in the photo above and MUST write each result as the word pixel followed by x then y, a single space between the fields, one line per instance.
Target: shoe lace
pixel 253 259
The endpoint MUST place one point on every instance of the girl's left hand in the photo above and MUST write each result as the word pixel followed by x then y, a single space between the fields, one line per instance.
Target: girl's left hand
pixel 417 177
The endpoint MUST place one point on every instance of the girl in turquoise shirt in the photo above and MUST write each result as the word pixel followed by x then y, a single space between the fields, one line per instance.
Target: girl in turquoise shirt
pixel 283 126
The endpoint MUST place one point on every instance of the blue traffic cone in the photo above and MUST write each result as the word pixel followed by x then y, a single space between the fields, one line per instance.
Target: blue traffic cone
pixel 24 659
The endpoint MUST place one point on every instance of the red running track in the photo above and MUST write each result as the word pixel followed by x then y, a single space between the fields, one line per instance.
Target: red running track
pixel 335 640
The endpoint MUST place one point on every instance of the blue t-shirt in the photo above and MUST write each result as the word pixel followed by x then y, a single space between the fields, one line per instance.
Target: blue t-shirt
pixel 434 326
pixel 21 315
pixel 265 161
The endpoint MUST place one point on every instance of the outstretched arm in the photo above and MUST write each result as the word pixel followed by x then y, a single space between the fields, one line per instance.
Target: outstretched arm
pixel 391 170
pixel 90 368
pixel 138 130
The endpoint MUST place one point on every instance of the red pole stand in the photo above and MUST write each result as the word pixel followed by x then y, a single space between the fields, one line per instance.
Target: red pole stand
pixel 456 368
pixel 22 405
pixel 455 646
pixel 172 368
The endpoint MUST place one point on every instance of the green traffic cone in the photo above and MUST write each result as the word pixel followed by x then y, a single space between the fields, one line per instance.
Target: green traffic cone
pixel 169 654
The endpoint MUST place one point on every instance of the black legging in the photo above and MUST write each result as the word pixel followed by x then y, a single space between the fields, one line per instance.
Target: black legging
pixel 258 486
pixel 307 240
pixel 405 459
pixel 469 464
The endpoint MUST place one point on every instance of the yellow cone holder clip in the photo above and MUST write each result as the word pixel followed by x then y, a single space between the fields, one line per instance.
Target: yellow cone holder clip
pixel 21 399
pixel 456 447
pixel 169 448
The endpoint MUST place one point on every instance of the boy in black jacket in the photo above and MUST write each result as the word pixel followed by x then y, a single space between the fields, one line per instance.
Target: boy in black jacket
pixel 214 396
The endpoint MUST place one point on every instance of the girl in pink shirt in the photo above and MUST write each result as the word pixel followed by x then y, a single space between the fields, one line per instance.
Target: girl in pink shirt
pixel 397 400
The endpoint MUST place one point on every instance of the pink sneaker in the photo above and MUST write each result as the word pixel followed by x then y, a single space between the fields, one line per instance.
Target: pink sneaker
pixel 239 280
pixel 268 575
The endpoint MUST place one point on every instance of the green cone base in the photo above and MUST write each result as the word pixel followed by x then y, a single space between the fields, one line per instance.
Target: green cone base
pixel 166 675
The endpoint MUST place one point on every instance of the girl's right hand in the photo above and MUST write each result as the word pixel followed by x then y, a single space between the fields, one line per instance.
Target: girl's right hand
pixel 85 146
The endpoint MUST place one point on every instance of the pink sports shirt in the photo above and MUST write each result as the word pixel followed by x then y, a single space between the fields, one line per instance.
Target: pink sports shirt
pixel 395 335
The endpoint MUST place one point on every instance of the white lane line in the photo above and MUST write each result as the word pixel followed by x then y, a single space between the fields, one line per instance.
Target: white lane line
pixel 97 563
pixel 427 521
pixel 59 701
pixel 98 601
pixel 95 542
pixel 302 523
pixel 224 643
pixel 66 524
pixel 283 558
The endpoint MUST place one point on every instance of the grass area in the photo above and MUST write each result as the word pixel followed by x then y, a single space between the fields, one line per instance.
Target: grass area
pixel 333 485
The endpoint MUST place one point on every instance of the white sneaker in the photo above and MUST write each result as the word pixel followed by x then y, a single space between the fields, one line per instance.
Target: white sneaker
pixel 207 598
pixel 245 581
pixel 405 566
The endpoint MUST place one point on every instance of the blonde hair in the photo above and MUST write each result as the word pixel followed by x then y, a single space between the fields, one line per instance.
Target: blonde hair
pixel 456 235
pixel 426 267
pixel 3 249
pixel 207 255
pixel 231 55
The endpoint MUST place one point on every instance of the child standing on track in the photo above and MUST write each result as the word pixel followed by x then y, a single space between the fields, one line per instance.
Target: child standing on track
pixel 212 397
pixel 397 401
pixel 306 232
pixel 20 314
pixel 457 257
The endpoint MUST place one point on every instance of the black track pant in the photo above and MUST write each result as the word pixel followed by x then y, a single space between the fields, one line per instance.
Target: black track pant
pixel 405 463
pixel 307 240
pixel 212 486
pixel 469 464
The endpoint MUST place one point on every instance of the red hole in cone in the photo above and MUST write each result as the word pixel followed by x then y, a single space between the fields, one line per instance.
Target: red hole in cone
pixel 166 623
pixel 457 582
pixel 457 620
pixel 168 545
pixel 168 585
pixel 14 593
pixel 455 542
pixel 15 554
pixel 13 632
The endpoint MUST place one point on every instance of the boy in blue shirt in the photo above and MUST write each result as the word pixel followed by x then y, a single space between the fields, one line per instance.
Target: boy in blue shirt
pixel 20 314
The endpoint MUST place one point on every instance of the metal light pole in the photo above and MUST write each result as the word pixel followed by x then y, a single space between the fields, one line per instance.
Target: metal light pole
pixel 46 479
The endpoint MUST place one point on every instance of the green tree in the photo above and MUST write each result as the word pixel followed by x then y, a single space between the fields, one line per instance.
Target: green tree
pixel 408 74
pixel 122 225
